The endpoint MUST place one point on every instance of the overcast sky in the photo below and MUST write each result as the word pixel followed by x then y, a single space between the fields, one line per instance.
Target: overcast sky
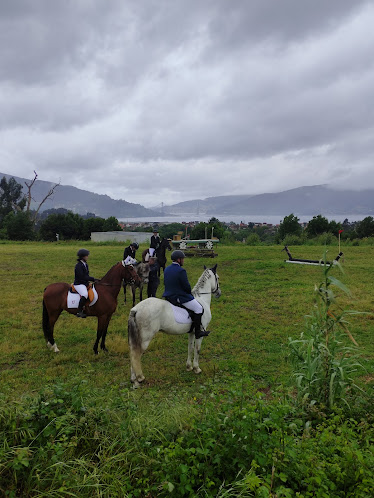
pixel 172 100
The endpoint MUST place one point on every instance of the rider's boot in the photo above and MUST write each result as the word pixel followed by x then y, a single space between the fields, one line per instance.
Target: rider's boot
pixel 199 329
pixel 80 312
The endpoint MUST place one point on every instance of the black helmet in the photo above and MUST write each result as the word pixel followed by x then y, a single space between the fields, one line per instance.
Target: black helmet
pixel 155 230
pixel 82 252
pixel 135 244
pixel 177 255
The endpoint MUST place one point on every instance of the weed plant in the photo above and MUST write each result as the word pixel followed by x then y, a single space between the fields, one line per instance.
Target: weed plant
pixel 323 362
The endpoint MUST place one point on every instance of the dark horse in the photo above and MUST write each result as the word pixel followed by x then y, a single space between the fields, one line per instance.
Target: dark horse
pixel 142 271
pixel 55 301
pixel 160 254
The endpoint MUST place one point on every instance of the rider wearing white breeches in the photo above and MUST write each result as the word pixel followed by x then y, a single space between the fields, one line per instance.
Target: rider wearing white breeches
pixel 178 291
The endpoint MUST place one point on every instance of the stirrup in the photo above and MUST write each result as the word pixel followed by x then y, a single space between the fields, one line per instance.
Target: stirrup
pixel 202 333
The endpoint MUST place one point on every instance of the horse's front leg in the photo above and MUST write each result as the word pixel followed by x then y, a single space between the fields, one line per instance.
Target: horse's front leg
pixel 196 367
pixel 103 323
pixel 133 288
pixel 124 292
pixel 191 342
pixel 98 334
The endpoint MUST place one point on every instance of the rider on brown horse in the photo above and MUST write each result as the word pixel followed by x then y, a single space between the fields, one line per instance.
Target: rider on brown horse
pixel 81 280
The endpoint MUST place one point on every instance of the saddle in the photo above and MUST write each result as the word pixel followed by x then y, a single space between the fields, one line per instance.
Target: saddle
pixel 91 295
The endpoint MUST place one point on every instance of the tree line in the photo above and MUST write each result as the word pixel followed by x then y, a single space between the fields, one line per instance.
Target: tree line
pixel 19 222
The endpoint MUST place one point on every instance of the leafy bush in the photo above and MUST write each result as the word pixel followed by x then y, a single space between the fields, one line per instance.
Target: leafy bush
pixel 293 240
pixel 253 240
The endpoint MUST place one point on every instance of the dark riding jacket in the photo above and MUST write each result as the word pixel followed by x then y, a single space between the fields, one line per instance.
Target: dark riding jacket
pixel 177 286
pixel 155 242
pixel 82 274
pixel 129 252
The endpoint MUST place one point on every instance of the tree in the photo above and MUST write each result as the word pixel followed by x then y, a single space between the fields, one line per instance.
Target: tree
pixel 69 226
pixel 29 197
pixel 319 224
pixel 111 225
pixel 334 227
pixel 19 226
pixel 289 226
pixel 11 197
pixel 365 228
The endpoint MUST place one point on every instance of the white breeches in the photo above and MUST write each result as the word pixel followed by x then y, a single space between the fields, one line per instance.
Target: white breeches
pixel 151 251
pixel 130 261
pixel 194 306
pixel 82 290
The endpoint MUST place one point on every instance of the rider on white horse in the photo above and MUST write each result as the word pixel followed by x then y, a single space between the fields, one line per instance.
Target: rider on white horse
pixel 178 291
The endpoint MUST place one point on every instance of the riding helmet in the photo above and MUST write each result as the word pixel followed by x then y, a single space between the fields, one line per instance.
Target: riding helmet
pixel 135 244
pixel 178 254
pixel 82 252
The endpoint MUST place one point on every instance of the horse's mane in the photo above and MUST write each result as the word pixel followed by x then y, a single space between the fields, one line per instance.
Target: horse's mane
pixel 108 272
pixel 201 282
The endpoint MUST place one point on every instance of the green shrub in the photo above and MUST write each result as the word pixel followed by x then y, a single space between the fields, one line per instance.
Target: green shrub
pixel 323 362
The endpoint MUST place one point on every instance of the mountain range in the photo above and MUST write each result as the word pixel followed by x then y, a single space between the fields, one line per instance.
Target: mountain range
pixel 81 201
pixel 314 200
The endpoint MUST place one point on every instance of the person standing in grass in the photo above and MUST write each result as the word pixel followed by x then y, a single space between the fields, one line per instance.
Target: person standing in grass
pixel 153 279
pixel 82 279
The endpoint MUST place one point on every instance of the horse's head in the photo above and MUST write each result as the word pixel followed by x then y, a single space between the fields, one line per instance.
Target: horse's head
pixel 129 274
pixel 215 288
pixel 142 270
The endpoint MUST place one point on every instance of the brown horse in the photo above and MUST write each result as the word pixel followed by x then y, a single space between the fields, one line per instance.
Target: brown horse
pixel 55 301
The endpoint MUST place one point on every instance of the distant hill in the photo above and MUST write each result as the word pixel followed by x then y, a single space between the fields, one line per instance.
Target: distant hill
pixel 318 199
pixel 81 201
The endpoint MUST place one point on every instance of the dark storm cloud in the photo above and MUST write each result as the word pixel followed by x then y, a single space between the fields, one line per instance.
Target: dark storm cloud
pixel 230 95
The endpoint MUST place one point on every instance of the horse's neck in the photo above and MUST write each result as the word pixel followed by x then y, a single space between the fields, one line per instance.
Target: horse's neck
pixel 113 278
pixel 202 290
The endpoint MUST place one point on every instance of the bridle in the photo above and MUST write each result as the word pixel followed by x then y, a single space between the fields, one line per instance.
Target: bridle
pixel 214 291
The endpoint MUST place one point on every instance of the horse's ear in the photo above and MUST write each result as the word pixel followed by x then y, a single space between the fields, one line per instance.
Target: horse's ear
pixel 214 269
pixel 204 267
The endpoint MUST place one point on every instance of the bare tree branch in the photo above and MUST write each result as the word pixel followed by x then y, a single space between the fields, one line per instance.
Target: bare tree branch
pixel 29 196
pixel 29 187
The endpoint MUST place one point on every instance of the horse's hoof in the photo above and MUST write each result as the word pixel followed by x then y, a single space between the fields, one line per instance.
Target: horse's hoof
pixel 197 370
pixel 188 368
pixel 105 350
pixel 53 347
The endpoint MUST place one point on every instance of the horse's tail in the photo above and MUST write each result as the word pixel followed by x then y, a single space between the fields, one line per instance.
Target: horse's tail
pixel 46 326
pixel 133 331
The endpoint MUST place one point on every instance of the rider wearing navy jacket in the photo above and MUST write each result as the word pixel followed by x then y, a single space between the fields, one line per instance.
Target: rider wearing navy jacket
pixel 178 291
pixel 82 279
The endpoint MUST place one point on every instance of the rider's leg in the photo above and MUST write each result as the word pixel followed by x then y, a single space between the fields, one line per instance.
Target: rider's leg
pixel 198 310
pixel 82 290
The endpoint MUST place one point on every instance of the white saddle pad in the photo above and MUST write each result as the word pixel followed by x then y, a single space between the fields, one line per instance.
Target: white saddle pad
pixel 180 314
pixel 73 298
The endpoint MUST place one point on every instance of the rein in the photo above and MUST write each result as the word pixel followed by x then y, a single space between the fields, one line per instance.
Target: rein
pixel 212 291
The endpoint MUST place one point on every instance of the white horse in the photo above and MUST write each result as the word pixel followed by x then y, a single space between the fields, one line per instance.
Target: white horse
pixel 153 315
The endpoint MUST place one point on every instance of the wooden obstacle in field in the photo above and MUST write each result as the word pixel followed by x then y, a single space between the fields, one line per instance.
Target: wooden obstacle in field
pixel 309 261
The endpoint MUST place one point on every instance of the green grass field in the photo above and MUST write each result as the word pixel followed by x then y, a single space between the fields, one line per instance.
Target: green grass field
pixel 263 303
